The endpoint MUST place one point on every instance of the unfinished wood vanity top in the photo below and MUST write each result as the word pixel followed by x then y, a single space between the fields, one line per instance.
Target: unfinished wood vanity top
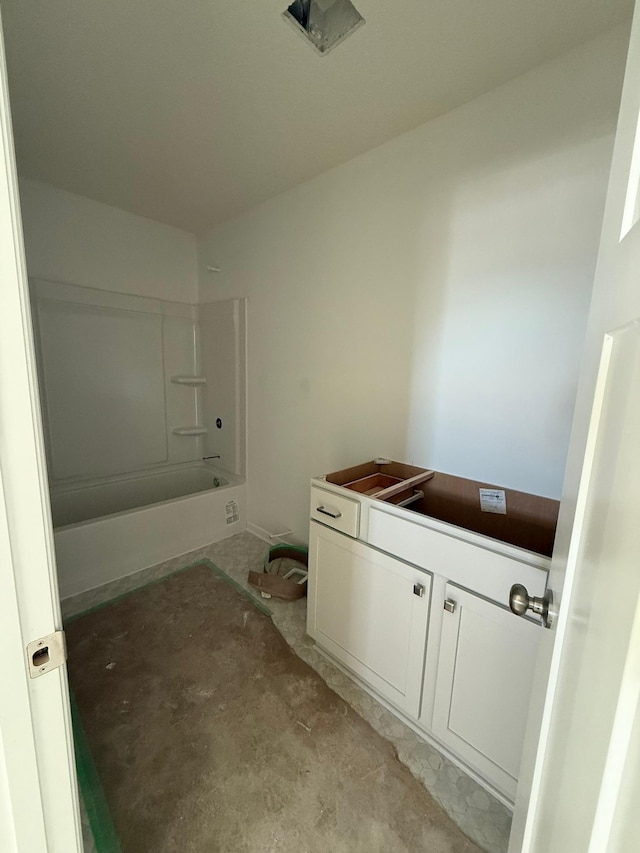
pixel 529 521
pixel 381 479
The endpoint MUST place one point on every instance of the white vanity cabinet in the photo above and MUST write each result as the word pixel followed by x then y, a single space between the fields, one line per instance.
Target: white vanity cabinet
pixel 480 657
pixel 483 685
pixel 370 612
pixel 417 608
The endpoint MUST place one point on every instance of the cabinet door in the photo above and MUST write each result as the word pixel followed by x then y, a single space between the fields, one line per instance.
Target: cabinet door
pixel 370 612
pixel 485 668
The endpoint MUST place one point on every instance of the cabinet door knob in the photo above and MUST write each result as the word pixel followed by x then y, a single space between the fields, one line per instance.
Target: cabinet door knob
pixel 450 605
pixel 418 589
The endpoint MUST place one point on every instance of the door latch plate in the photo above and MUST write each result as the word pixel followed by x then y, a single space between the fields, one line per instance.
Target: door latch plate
pixel 46 653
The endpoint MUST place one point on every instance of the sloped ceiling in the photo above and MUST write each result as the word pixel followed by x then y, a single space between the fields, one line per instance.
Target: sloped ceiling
pixel 188 111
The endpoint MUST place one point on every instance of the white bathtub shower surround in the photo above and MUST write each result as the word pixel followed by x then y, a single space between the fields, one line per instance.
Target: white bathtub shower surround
pixel 129 413
pixel 123 384
pixel 105 366
pixel 223 358
pixel 76 502
pixel 101 549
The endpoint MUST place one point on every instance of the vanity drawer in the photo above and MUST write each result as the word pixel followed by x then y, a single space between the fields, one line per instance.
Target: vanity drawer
pixel 340 513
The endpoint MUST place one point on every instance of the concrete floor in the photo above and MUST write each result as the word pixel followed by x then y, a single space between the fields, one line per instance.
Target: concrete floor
pixel 479 815
pixel 209 733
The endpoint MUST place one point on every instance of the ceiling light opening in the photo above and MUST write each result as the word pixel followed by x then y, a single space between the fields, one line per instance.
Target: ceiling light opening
pixel 325 23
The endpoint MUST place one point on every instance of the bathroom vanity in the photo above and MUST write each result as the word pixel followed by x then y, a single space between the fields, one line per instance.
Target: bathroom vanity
pixel 410 572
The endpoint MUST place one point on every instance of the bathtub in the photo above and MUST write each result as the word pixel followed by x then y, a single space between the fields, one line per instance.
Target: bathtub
pixel 106 529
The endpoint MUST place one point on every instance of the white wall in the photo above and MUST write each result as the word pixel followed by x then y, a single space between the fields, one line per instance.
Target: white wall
pixel 75 240
pixel 428 300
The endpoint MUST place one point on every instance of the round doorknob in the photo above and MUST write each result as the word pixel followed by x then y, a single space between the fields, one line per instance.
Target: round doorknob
pixel 520 602
pixel 519 599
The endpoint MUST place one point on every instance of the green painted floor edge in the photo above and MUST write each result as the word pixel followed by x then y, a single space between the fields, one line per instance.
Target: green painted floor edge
pixel 238 587
pixel 95 802
pixel 104 832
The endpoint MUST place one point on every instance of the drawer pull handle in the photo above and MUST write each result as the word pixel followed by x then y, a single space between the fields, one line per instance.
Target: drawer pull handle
pixel 450 605
pixel 328 512
pixel 418 589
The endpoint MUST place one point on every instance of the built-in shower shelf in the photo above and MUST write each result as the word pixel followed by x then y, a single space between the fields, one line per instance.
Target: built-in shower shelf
pixel 189 380
pixel 190 430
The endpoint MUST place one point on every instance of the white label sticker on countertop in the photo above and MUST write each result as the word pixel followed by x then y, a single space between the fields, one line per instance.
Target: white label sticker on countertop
pixel 493 500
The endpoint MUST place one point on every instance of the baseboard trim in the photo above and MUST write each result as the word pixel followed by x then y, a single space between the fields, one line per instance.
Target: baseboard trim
pixel 285 538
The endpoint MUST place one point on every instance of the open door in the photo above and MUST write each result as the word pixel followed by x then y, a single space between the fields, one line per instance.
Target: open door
pixel 38 796
pixel 580 780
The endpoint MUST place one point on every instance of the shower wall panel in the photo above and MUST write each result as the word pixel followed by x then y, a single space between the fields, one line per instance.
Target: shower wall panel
pixel 106 361
pixel 184 407
pixel 104 388
pixel 222 328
